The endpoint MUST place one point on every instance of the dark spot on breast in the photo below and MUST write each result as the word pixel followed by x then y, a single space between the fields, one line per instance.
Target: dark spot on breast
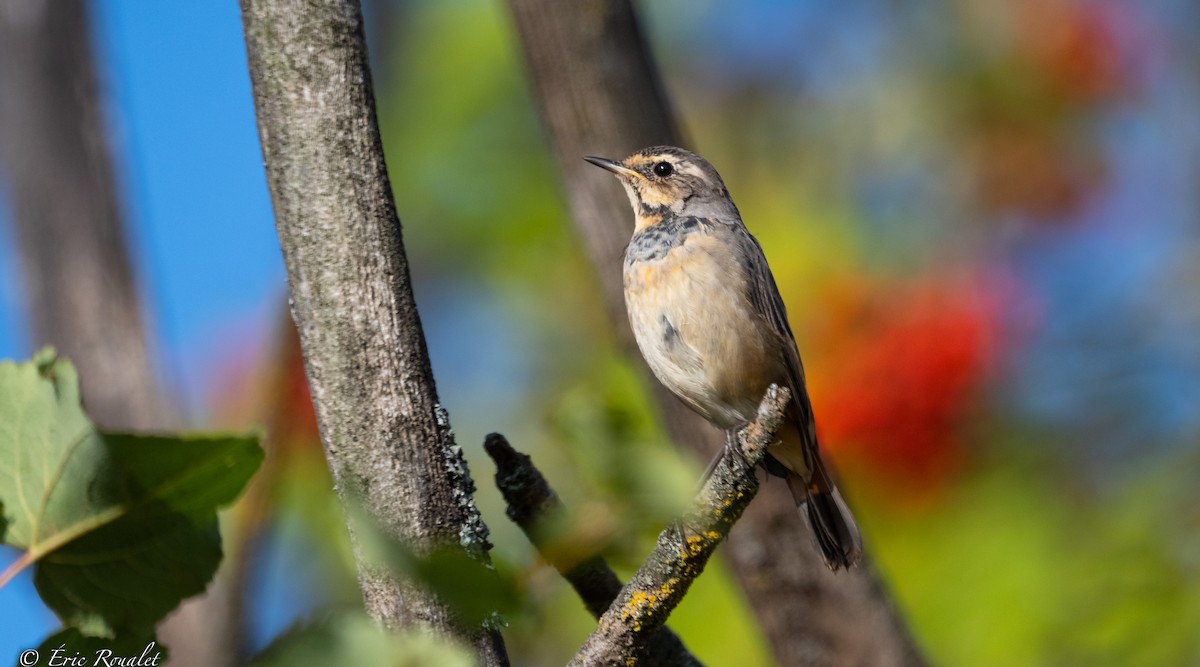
pixel 655 241
pixel 670 335
pixel 648 244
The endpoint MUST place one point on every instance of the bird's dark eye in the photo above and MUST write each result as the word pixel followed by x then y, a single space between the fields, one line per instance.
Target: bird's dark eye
pixel 663 169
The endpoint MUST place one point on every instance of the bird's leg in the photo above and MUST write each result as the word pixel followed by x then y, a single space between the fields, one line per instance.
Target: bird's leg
pixel 712 464
pixel 730 448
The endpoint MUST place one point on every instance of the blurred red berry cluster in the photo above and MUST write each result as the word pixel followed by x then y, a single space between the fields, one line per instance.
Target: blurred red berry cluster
pixel 895 368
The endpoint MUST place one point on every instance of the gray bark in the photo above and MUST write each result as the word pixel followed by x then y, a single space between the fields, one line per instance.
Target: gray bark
pixel 683 548
pixel 387 439
pixel 599 93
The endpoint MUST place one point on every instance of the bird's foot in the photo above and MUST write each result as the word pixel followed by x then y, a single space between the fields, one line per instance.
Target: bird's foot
pixel 730 448
pixel 733 447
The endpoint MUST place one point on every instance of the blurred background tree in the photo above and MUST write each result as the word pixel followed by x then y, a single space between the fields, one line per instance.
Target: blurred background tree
pixel 983 217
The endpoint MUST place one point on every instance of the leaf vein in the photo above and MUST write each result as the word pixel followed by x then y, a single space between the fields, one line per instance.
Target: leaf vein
pixel 55 478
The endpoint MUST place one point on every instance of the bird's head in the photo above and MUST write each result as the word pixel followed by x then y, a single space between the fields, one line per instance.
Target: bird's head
pixel 666 181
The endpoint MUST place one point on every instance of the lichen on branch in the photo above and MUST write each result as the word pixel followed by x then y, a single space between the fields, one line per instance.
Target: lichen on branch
pixel 535 507
pixel 684 548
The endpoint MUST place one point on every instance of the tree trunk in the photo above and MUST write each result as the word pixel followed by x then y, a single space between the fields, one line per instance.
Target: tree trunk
pixel 387 439
pixel 79 283
pixel 599 94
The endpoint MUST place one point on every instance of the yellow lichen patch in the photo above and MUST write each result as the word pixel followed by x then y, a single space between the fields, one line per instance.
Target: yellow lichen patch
pixel 712 535
pixel 639 601
pixel 671 583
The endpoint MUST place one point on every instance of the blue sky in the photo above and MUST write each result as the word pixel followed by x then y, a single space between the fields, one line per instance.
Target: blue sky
pixel 198 214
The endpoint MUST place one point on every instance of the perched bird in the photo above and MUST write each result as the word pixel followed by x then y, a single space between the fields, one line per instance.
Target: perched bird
pixel 709 320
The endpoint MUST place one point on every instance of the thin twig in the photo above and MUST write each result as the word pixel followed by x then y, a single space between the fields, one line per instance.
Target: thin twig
pixel 684 548
pixel 533 506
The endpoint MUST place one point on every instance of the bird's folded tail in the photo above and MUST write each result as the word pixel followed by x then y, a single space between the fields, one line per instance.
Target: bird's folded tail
pixel 833 528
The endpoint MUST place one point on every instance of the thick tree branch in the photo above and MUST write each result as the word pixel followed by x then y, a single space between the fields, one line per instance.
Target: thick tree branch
pixel 598 91
pixel 387 439
pixel 684 548
pixel 534 506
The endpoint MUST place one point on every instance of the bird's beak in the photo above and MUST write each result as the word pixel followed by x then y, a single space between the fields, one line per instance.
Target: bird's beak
pixel 613 166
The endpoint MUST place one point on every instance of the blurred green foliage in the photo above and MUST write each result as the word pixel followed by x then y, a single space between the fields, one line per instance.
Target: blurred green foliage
pixel 354 639
pixel 1014 565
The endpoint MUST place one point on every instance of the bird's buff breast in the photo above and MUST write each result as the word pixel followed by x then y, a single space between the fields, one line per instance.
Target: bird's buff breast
pixel 698 331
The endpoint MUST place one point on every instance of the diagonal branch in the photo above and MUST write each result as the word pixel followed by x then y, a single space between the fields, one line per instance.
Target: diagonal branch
pixel 534 506
pixel 684 548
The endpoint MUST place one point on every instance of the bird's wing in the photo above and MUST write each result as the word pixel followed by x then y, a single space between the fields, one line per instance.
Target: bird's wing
pixel 764 297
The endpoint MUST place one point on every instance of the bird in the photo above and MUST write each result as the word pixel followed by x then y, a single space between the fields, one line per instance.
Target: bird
pixel 709 320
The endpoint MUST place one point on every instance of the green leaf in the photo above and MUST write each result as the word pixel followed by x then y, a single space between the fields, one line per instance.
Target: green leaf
pixel 192 475
pixel 46 444
pixel 357 640
pixel 128 574
pixel 475 591
pixel 67 646
pixel 121 527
